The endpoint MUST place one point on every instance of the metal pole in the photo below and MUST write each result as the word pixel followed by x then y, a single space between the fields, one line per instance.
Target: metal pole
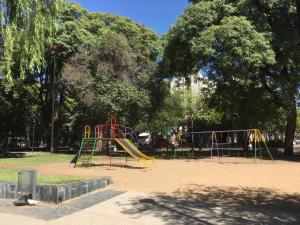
pixel 193 145
pixel 212 145
pixel 53 105
pixel 192 134
pixel 32 147
pixel 255 145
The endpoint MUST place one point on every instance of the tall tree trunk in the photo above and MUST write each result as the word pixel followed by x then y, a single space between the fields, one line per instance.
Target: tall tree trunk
pixel 56 134
pixel 290 131
pixel 298 14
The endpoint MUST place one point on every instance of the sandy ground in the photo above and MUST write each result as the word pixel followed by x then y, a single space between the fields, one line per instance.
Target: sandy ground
pixel 204 191
pixel 173 176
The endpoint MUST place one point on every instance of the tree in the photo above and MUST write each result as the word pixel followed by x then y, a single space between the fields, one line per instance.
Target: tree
pixel 171 115
pixel 298 122
pixel 112 72
pixel 122 72
pixel 298 14
pixel 252 45
pixel 106 80
pixel 27 28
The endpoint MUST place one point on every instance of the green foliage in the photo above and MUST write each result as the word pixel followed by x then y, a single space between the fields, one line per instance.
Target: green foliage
pixel 112 72
pixel 247 107
pixel 298 122
pixel 182 108
pixel 19 99
pixel 107 81
pixel 106 65
pixel 250 52
pixel 205 116
pixel 210 35
pixel 28 28
pixel 171 115
pixel 233 47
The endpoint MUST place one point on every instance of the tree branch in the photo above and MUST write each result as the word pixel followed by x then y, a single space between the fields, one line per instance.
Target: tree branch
pixel 277 99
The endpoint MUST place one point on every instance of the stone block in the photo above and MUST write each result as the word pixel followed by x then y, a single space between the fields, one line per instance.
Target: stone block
pixel 108 180
pixel 103 183
pixel 54 194
pixel 82 188
pixel 67 192
pixel 47 193
pixel 90 185
pixel 94 185
pixel 1 190
pixel 74 190
pixel 12 192
pixel 57 193
pixel 61 190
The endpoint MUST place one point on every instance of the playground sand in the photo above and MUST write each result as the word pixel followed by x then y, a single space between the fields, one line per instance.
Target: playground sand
pixel 172 176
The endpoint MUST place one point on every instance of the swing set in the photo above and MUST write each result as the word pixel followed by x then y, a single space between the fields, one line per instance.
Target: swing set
pixel 229 143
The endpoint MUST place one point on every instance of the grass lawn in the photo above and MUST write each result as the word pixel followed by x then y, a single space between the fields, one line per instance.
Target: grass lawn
pixel 39 158
pixel 11 175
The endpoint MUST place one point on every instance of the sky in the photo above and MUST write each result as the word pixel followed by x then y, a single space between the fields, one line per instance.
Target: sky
pixel 158 15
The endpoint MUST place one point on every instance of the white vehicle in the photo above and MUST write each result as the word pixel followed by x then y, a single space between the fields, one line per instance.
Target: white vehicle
pixel 296 142
pixel 144 138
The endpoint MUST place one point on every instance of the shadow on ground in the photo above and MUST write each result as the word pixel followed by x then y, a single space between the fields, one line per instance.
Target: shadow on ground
pixel 12 155
pixel 214 205
pixel 293 158
pixel 50 211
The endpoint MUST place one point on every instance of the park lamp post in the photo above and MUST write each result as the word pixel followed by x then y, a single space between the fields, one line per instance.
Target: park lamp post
pixel 53 49
pixel 193 119
pixel 33 130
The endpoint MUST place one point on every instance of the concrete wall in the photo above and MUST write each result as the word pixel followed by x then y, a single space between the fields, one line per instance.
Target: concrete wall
pixel 8 190
pixel 57 193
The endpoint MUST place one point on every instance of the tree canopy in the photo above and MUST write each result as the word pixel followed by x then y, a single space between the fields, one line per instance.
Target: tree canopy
pixel 113 70
pixel 250 49
pixel 105 65
pixel 27 28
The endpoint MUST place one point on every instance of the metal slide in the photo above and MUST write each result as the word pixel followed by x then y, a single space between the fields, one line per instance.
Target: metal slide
pixel 132 150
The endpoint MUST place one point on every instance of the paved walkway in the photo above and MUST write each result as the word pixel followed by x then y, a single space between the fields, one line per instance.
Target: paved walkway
pixel 51 211
pixel 135 208
pixel 115 211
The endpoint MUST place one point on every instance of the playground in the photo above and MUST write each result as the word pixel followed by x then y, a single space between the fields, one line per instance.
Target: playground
pixel 198 176
pixel 110 137
pixel 146 112
pixel 222 159
pixel 169 176
pixel 98 142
